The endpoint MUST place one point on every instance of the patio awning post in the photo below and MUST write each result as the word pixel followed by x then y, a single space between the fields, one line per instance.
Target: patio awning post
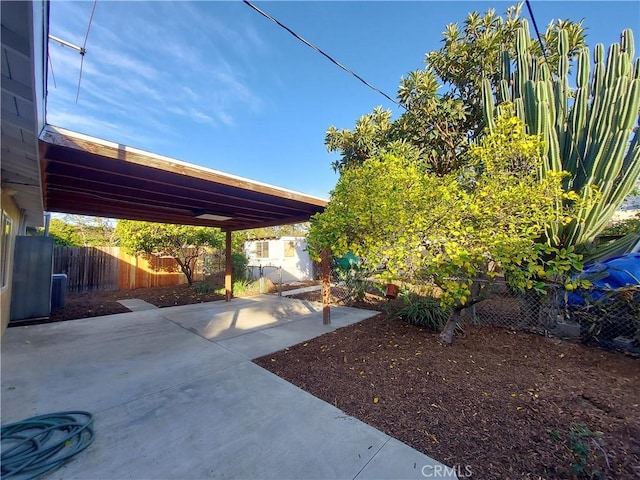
pixel 227 269
pixel 326 288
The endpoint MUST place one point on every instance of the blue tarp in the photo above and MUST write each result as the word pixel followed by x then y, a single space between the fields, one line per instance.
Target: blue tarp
pixel 609 275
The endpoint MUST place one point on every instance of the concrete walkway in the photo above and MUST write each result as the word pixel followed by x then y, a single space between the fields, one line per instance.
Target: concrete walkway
pixel 175 395
pixel 296 291
pixel 136 305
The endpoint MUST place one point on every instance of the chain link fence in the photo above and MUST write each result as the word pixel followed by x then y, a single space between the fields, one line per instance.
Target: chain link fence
pixel 350 284
pixel 609 318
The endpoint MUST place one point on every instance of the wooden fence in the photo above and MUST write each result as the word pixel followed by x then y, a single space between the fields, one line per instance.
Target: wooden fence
pixel 110 268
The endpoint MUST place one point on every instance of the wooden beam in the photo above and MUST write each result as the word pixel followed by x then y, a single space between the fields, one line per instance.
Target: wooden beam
pixel 77 141
pixel 326 288
pixel 79 164
pixel 227 269
pixel 127 188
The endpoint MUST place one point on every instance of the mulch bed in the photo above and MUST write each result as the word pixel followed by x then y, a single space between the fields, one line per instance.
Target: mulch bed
pixel 94 304
pixel 495 403
pixel 503 404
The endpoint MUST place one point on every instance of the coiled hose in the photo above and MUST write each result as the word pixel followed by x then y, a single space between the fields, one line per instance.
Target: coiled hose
pixel 37 445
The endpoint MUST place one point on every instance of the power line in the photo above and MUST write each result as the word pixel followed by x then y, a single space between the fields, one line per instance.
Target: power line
pixel 53 75
pixel 329 57
pixel 535 26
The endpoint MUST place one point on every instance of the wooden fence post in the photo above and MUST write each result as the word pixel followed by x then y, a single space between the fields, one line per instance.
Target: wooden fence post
pixel 227 270
pixel 326 288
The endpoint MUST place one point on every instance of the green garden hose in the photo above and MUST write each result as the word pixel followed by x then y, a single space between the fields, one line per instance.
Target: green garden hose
pixel 37 445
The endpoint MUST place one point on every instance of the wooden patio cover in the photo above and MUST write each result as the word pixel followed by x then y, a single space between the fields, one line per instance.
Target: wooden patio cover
pixel 90 176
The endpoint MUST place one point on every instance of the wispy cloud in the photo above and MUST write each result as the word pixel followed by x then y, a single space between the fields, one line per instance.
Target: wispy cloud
pixel 158 66
pixel 89 125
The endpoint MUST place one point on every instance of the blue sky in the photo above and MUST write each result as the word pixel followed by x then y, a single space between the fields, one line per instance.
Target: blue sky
pixel 218 85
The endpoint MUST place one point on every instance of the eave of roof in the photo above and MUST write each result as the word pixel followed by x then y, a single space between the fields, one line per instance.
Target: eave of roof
pixel 24 71
pixel 91 176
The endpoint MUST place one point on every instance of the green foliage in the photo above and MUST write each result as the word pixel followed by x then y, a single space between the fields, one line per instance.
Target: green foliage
pixel 584 445
pixel 589 131
pixel 438 128
pixel 203 288
pixel 475 51
pixel 615 313
pixel 355 277
pixel 82 231
pixel 246 287
pixel 243 286
pixel 239 266
pixel 183 242
pixel 435 125
pixel 64 234
pixel 423 311
pixel 623 227
pixel 452 228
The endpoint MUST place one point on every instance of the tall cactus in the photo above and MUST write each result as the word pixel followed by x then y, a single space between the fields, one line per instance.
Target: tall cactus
pixel 588 131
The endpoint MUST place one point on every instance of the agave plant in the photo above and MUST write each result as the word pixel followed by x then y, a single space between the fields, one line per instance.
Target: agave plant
pixel 590 131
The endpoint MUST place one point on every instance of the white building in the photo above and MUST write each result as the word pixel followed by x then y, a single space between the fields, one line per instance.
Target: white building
pixel 630 207
pixel 281 255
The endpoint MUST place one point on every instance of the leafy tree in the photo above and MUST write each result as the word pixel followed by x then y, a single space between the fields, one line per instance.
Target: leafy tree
pixel 438 128
pixel 451 229
pixel 82 231
pixel 182 242
pixel 478 49
pixel 64 234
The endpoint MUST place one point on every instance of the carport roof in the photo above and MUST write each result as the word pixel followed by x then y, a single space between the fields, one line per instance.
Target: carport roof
pixel 90 176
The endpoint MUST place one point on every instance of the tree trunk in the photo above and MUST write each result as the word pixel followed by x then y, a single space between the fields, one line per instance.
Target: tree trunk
pixel 450 327
pixel 185 267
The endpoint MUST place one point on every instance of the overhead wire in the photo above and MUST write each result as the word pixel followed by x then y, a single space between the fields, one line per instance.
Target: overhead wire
pixel 321 52
pixel 544 53
pixel 535 27
pixel 55 85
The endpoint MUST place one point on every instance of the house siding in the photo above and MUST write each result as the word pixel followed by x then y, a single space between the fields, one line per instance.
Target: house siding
pixel 10 208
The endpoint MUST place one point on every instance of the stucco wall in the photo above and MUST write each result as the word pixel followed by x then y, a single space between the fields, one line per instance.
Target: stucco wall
pixel 11 210
pixel 297 267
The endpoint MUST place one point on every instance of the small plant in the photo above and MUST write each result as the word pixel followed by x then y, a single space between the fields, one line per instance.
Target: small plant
pixel 241 287
pixel 582 443
pixel 423 311
pixel 203 288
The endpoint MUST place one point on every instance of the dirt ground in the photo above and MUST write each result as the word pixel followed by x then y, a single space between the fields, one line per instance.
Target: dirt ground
pixel 95 304
pixel 495 404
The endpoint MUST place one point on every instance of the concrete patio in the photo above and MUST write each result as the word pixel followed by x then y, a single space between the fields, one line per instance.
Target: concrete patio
pixel 175 395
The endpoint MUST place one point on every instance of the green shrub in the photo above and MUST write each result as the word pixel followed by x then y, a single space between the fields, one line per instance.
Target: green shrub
pixel 203 288
pixel 255 287
pixel 241 287
pixel 423 311
pixel 239 266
